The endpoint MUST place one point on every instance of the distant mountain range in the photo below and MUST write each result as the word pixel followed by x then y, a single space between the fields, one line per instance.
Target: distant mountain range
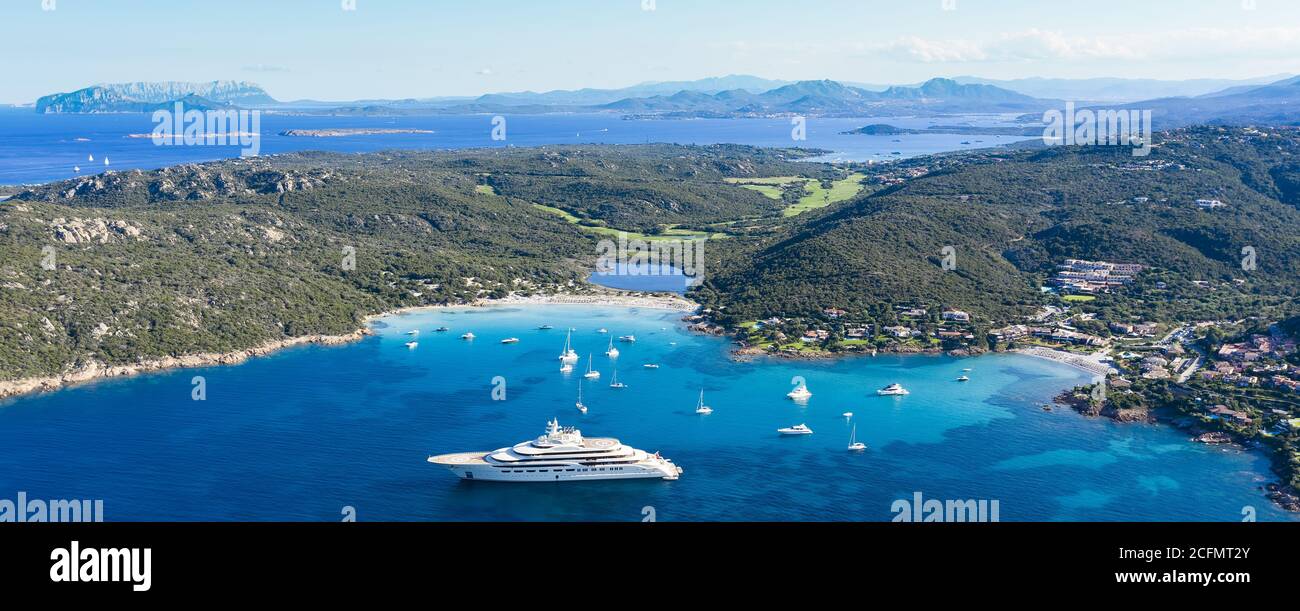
pixel 1273 104
pixel 145 97
pixel 1235 102
pixel 1112 90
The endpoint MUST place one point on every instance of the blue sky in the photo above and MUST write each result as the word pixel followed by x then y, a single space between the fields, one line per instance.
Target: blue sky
pixel 421 48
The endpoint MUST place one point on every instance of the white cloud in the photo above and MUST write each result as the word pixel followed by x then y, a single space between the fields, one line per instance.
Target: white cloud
pixel 1037 45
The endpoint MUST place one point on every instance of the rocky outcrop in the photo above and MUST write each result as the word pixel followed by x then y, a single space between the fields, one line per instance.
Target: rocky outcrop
pixel 93 370
pixel 96 230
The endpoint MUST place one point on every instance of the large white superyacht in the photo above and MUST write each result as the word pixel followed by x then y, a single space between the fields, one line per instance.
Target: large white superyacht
pixel 560 454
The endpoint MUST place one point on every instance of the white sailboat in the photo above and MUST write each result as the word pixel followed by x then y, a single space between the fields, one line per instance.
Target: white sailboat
pixel 468 337
pixel 701 408
pixel 591 374
pixel 412 345
pixel 581 407
pixel 614 383
pixel 612 352
pixel 568 356
pixel 854 444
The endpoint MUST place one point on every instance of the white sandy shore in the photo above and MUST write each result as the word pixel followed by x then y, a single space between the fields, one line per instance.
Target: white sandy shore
pixel 1088 362
pixel 97 370
pixel 656 301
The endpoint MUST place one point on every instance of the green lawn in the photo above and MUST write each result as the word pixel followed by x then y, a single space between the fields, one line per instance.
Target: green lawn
pixel 485 190
pixel 671 232
pixel 818 197
pixel 1078 298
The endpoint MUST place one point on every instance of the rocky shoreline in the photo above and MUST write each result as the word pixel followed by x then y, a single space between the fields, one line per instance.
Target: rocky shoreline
pixel 1282 495
pixel 95 370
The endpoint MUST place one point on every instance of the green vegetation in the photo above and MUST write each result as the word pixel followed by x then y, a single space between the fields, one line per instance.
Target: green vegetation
pixel 803 193
pixel 1011 217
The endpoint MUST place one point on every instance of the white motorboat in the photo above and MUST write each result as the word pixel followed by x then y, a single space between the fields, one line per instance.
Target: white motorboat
pixel 798 429
pixel 893 390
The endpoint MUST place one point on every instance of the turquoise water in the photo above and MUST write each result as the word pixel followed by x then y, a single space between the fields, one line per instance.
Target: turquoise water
pixel 303 433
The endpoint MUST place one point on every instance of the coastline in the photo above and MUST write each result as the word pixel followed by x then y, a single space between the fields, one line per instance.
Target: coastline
pixel 1089 363
pixel 95 370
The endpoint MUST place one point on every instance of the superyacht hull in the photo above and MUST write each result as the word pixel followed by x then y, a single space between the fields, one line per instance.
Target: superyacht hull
pixel 490 473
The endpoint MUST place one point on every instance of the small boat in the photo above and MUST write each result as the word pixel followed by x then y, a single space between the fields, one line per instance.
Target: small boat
pixel 847 414
pixel 612 352
pixel 650 366
pixel 964 379
pixel 412 345
pixel 854 444
pixel 90 157
pixel 76 168
pixel 413 332
pixel 967 369
pixel 799 393
pixel 602 330
pixel 568 355
pixel 798 429
pixel 545 328
pixel 701 408
pixel 106 160
pixel 582 408
pixel 591 374
pixel 627 338
pixel 614 383
pixel 510 340
pixel 893 390
pixel 566 368
pixel 441 330
pixel 468 336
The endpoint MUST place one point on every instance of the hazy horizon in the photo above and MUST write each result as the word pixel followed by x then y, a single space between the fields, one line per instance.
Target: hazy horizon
pixel 393 49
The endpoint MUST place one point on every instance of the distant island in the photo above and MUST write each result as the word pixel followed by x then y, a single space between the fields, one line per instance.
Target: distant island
pixel 884 129
pixel 344 131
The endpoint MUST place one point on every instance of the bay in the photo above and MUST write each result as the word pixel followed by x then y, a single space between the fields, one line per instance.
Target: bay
pixel 304 433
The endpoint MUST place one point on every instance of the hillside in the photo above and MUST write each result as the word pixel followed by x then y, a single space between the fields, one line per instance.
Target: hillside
pixel 1012 217
pixel 228 255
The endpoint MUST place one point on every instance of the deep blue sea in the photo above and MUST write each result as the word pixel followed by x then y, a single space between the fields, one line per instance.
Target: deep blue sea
pixel 304 433
pixel 39 148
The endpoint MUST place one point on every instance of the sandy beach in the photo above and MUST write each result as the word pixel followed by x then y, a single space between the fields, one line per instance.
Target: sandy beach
pixel 1091 362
